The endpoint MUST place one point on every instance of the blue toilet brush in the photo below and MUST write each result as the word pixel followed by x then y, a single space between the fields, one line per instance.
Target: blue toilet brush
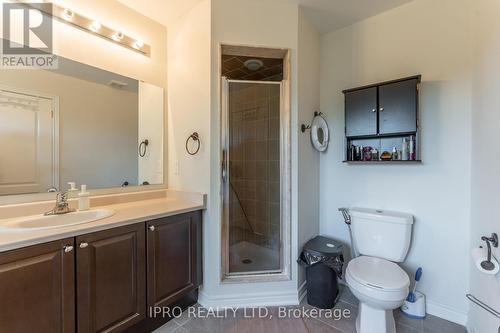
pixel 411 296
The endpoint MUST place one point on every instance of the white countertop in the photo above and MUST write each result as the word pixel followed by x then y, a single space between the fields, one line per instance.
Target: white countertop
pixel 125 214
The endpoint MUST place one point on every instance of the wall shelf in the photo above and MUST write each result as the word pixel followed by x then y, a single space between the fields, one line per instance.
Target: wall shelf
pixel 384 162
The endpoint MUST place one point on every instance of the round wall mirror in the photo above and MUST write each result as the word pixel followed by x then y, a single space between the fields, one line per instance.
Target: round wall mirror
pixel 319 133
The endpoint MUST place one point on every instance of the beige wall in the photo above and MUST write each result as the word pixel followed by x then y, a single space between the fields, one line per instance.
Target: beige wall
pixel 189 99
pixel 432 38
pixel 98 127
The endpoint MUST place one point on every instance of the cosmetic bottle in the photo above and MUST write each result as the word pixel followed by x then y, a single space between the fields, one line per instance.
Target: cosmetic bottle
pixel 413 156
pixel 404 150
pixel 83 199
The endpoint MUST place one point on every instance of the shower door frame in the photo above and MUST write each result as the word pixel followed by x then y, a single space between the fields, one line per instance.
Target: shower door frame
pixel 285 188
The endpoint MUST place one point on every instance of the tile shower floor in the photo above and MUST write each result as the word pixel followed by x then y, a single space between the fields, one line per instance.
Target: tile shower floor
pixel 240 323
pixel 248 257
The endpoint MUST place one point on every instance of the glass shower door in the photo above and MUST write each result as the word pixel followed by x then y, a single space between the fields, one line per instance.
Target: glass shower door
pixel 252 177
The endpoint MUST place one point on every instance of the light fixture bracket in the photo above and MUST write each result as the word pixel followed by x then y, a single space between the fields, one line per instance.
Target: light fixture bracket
pixel 86 24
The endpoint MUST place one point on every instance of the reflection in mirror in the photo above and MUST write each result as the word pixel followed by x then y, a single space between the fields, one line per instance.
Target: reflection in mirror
pixel 321 135
pixel 78 124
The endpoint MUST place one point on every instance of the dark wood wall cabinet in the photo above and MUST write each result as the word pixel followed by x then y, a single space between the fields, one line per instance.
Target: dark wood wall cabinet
pixel 381 122
pixel 104 281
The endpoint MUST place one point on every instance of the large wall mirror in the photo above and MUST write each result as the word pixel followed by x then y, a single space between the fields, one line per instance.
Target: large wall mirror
pixel 78 124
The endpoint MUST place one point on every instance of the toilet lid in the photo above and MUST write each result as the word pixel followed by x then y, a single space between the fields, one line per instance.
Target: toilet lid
pixel 378 273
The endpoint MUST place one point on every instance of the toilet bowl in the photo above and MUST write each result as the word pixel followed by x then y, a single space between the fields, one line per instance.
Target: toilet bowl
pixel 380 286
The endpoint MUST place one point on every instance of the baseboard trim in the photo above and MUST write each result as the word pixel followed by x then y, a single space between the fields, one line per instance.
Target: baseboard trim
pixel 249 299
pixel 446 312
pixel 442 311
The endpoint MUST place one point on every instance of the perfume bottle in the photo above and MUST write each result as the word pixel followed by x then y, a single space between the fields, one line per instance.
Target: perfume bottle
pixel 413 155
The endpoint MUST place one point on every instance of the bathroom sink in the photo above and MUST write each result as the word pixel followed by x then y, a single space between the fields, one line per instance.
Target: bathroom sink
pixel 41 222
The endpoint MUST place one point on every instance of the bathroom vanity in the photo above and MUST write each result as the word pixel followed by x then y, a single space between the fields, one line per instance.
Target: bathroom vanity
pixel 103 276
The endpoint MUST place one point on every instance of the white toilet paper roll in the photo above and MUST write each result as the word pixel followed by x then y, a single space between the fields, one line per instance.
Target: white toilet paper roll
pixel 481 254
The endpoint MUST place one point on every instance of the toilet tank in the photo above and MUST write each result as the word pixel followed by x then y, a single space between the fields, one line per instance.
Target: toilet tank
pixel 382 234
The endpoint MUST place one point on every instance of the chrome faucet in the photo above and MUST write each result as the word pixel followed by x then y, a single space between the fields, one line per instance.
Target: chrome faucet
pixel 62 206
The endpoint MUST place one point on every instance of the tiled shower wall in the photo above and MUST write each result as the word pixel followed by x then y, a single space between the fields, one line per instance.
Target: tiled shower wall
pixel 254 164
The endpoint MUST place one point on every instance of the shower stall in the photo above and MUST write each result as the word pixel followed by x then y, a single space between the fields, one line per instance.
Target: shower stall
pixel 253 188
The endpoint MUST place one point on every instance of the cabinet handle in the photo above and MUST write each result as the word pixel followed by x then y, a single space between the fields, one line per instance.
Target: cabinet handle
pixel 83 245
pixel 381 109
pixel 68 248
pixel 374 110
pixel 151 227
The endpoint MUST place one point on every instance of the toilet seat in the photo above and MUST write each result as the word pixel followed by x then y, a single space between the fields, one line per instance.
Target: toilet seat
pixel 377 273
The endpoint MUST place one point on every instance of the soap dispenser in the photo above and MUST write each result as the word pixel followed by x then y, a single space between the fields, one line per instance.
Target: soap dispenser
pixel 83 199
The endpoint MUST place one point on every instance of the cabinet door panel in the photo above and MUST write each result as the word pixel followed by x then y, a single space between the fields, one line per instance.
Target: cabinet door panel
pixel 173 254
pixel 37 289
pixel 111 279
pixel 398 107
pixel 361 112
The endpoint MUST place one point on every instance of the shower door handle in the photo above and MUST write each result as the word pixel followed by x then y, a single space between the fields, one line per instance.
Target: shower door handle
pixel 224 166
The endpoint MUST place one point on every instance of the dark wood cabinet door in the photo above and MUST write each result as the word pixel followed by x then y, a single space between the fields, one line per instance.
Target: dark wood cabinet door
pixel 398 104
pixel 37 289
pixel 361 112
pixel 173 255
pixel 111 279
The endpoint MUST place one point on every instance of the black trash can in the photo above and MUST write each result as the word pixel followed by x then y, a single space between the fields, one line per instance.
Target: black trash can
pixel 323 259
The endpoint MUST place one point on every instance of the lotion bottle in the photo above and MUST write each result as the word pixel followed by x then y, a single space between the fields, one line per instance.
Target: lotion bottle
pixel 404 150
pixel 83 199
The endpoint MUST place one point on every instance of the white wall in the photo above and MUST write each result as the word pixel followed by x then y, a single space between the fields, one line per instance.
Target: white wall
pixel 485 217
pixel 308 157
pixel 425 37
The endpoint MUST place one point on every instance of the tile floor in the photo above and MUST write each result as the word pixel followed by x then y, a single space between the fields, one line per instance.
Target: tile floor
pixel 242 323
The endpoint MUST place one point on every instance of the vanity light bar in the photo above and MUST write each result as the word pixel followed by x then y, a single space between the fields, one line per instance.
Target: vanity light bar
pixel 94 27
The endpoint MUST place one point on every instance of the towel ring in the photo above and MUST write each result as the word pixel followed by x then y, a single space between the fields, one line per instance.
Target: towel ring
pixel 143 147
pixel 196 138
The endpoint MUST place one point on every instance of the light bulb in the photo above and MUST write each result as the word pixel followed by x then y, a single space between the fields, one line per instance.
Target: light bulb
pixel 67 14
pixel 118 36
pixel 138 44
pixel 95 26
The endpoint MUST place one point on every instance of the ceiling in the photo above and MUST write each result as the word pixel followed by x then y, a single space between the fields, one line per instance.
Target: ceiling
pixel 326 15
pixel 162 11
pixel 329 15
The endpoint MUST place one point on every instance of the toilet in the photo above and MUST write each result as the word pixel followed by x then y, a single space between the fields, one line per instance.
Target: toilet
pixel 381 239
